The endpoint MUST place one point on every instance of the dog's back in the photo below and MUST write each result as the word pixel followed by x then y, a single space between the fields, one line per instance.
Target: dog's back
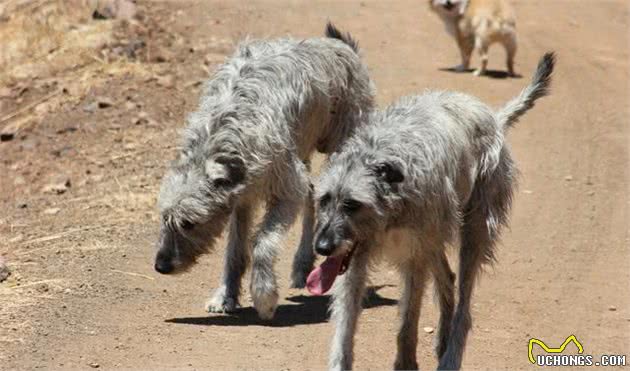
pixel 499 10
pixel 448 138
pixel 310 86
pixel 495 18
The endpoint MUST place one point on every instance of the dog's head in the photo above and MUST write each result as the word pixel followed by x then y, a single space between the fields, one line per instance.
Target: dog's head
pixel 448 8
pixel 195 202
pixel 354 199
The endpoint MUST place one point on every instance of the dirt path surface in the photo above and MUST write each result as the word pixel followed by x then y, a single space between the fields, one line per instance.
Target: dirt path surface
pixel 80 177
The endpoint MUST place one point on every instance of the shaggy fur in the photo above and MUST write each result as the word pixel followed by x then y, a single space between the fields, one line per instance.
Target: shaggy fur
pixel 421 173
pixel 262 115
pixel 477 24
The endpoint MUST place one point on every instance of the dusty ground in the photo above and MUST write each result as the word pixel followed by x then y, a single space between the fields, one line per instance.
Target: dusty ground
pixel 79 181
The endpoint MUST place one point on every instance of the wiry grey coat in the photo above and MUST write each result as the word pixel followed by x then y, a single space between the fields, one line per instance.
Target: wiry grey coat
pixel 262 115
pixel 429 170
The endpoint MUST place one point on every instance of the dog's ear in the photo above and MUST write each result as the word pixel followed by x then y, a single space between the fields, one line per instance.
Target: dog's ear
pixel 388 171
pixel 226 171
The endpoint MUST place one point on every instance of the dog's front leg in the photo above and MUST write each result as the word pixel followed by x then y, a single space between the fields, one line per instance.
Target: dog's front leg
pixel 225 298
pixel 466 46
pixel 346 307
pixel 277 220
pixel 414 277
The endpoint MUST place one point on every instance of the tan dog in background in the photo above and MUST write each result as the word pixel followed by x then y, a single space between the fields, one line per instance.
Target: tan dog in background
pixel 476 24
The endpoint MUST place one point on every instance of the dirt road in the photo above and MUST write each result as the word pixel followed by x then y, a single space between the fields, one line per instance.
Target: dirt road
pixel 83 293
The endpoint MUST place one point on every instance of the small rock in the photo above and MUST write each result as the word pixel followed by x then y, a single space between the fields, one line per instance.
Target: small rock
pixel 94 365
pixel 612 308
pixel 428 330
pixel 52 211
pixel 212 58
pixel 57 187
pixel 194 84
pixel 167 81
pixel 527 191
pixel 115 9
pixel 568 178
pixel 129 105
pixel 4 270
pixel 22 205
pixel 90 108
pixel 104 102
pixel 6 136
pixel 142 118
pixel 67 129
pixel 162 55
pixel 131 49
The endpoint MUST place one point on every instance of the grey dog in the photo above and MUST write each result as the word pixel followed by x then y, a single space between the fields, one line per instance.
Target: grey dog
pixel 263 114
pixel 425 171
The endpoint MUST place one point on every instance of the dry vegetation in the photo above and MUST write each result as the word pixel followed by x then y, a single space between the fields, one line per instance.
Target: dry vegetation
pixel 73 123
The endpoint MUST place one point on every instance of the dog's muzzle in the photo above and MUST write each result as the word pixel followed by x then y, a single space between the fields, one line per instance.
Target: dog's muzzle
pixel 164 263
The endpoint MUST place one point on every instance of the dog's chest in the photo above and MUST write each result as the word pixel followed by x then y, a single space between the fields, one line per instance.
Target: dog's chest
pixel 398 245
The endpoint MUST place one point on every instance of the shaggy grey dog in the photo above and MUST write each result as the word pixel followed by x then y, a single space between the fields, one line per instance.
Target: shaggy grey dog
pixel 425 171
pixel 267 109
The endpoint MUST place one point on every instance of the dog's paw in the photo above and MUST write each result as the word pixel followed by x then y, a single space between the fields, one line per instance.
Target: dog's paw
pixel 265 304
pixel 460 68
pixel 220 303
pixel 479 72
pixel 405 365
pixel 449 362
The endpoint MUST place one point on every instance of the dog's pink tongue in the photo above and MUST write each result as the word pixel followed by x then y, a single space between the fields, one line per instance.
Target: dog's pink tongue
pixel 322 278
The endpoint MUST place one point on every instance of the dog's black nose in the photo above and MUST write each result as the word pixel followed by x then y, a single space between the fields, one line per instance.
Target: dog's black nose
pixel 164 266
pixel 324 246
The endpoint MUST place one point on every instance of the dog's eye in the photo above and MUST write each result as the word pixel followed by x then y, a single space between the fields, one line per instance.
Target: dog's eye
pixel 324 200
pixel 351 206
pixel 187 225
pixel 222 183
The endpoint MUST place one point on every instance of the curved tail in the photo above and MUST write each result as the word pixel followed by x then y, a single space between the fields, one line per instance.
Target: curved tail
pixel 538 88
pixel 334 33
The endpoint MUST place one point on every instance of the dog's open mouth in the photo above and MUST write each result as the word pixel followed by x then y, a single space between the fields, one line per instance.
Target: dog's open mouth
pixel 448 6
pixel 321 279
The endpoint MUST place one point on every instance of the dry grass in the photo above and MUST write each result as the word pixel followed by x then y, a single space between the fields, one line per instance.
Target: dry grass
pixel 42 40
pixel 43 37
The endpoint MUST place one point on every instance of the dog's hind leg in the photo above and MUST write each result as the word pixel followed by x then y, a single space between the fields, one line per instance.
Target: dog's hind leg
pixel 225 298
pixel 487 211
pixel 346 307
pixel 482 48
pixel 474 240
pixel 444 287
pixel 305 255
pixel 509 42
pixel 414 277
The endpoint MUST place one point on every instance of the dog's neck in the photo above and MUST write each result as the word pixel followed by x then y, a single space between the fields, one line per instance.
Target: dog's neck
pixel 462 7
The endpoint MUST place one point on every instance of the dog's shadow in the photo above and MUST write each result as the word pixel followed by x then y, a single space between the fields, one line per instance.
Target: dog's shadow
pixel 307 310
pixel 493 74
